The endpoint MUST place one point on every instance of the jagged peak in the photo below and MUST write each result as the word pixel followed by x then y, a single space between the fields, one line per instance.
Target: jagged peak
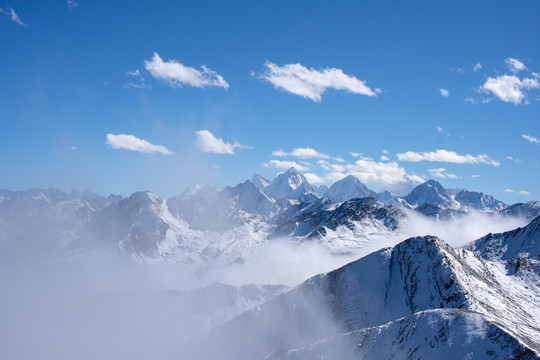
pixel 144 196
pixel 260 180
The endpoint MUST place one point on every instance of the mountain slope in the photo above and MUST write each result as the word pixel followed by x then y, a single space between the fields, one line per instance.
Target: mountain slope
pixel 418 274
pixel 348 188
pixel 431 192
pixel 291 184
pixel 479 201
pixel 431 334
pixel 519 243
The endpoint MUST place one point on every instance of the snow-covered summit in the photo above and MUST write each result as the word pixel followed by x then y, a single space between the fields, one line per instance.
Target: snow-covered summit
pixel 432 192
pixel 291 184
pixel 479 201
pixel 523 242
pixel 260 181
pixel 348 188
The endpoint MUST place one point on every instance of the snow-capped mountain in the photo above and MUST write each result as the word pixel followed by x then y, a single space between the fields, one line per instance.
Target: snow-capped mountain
pixel 332 223
pixel 479 201
pixel 433 193
pixel 291 184
pixel 528 210
pixel 436 294
pixel 143 226
pixel 259 181
pixel 45 221
pixel 250 198
pixel 320 189
pixel 519 243
pixel 431 334
pixel 348 188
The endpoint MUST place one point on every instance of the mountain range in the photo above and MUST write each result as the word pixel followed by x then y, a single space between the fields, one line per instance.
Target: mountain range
pixel 207 223
pixel 420 298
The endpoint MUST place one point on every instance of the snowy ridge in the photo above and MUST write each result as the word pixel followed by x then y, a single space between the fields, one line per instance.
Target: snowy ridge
pixel 519 243
pixel 431 192
pixel 429 334
pixel 290 184
pixel 348 188
pixel 390 291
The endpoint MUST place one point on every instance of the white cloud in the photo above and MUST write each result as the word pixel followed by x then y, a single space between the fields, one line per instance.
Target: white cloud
pixel 469 100
pixel 313 178
pixel 140 80
pixel 384 158
pixel 13 15
pixel 136 74
pixel 72 4
pixel 439 129
pixel 530 138
pixel 176 74
pixel 524 192
pixel 279 153
pixel 514 65
pixel 509 88
pixel 278 164
pixel 475 176
pixel 307 153
pixel 509 190
pixel 207 142
pixel 441 173
pixel 446 156
pixel 384 151
pixel 444 92
pixel 354 154
pixel 311 83
pixel 458 70
pixel 369 171
pixel 73 148
pixel 130 142
pixel 477 67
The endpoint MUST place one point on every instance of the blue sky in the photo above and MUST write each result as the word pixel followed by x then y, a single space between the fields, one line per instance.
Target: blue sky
pixel 120 96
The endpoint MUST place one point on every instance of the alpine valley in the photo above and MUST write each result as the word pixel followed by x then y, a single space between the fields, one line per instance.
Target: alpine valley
pixel 434 274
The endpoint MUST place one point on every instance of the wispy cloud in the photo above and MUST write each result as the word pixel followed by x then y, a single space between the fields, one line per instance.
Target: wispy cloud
pixel 279 153
pixel 207 142
pixel 521 192
pixel 384 158
pixel 446 156
pixel 130 142
pixel 287 164
pixel 530 139
pixel 301 153
pixel 509 88
pixel 311 83
pixel 442 174
pixel 175 74
pixel 475 176
pixel 13 15
pixel 514 65
pixel 313 178
pixel 373 172
pixel 139 80
pixel 72 4
pixel 477 67
pixel 458 70
pixel 444 92
pixel 441 130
